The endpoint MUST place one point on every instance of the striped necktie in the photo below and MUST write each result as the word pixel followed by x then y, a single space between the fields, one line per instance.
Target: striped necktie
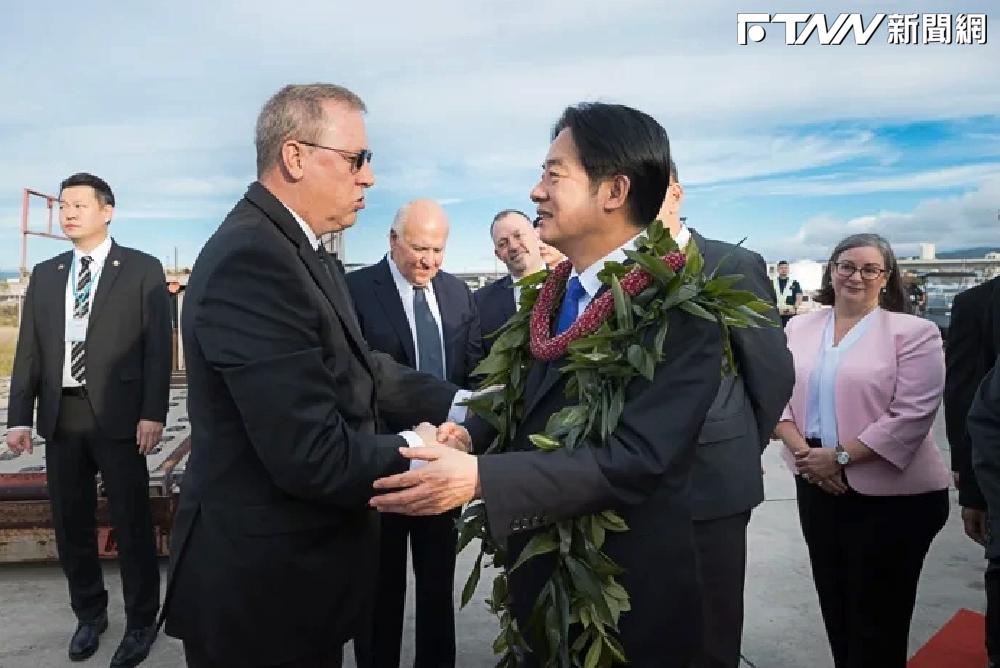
pixel 81 309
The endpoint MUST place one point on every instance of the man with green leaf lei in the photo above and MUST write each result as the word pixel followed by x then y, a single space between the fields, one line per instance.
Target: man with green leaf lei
pixel 579 484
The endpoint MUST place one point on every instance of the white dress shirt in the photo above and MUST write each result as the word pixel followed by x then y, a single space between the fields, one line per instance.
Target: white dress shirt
pixel 591 283
pixel 99 255
pixel 821 401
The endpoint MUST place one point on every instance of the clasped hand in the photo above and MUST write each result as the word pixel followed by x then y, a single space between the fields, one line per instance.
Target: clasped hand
pixel 819 467
pixel 448 477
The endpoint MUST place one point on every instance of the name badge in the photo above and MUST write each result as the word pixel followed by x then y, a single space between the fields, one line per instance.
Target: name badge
pixel 76 330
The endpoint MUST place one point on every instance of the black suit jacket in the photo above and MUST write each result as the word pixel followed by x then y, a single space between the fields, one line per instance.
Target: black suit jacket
pixel 496 306
pixel 384 325
pixel 984 433
pixel 128 345
pixel 971 347
pixel 727 478
pixel 643 472
pixel 274 547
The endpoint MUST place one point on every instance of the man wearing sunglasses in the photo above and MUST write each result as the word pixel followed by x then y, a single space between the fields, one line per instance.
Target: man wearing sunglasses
pixel 275 550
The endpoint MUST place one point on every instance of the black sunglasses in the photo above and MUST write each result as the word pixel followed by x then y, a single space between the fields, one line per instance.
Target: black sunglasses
pixel 357 160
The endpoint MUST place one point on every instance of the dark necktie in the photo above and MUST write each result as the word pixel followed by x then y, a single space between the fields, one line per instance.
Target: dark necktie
pixel 428 338
pixel 571 305
pixel 81 309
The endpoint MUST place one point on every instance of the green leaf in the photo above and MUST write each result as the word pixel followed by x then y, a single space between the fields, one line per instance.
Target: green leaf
pixel 623 312
pixel 472 582
pixel 586 581
pixel 594 653
pixel 695 309
pixel 612 521
pixel 561 422
pixel 513 337
pixel 641 361
pixel 657 268
pixel 497 361
pixel 695 262
pixel 616 648
pixel 540 543
pixel 543 442
pixel 661 334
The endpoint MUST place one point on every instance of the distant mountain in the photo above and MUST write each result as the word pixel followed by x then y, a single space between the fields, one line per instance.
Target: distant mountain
pixel 968 253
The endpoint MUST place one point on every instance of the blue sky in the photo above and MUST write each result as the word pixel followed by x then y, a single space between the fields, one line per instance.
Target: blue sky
pixel 789 146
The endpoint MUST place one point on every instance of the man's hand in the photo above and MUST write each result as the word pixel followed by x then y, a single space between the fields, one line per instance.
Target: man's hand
pixel 449 480
pixel 19 440
pixel 427 433
pixel 147 435
pixel 454 436
pixel 975 524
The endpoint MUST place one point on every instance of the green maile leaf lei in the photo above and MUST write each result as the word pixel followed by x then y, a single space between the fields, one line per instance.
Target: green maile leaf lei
pixel 607 347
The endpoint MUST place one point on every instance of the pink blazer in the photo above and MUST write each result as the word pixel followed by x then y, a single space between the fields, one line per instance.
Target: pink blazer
pixel 888 389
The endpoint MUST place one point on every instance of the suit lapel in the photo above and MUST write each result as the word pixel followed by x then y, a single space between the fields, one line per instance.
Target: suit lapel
pixel 106 282
pixel 54 299
pixel 335 293
pixel 392 305
pixel 449 323
pixel 543 376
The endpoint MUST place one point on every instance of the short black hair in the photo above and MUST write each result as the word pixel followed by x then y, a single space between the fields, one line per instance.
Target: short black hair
pixel 508 212
pixel 674 178
pixel 613 139
pixel 100 186
pixel 785 262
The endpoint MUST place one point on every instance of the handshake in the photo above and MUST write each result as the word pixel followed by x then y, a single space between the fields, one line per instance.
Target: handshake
pixel 449 434
pixel 446 477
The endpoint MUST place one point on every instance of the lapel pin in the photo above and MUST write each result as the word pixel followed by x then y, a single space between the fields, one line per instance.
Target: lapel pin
pixel 61 267
pixel 116 263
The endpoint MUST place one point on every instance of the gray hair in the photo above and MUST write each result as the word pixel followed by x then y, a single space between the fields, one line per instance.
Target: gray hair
pixel 295 111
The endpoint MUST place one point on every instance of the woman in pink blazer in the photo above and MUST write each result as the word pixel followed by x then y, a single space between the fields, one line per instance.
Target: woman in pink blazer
pixel 872 485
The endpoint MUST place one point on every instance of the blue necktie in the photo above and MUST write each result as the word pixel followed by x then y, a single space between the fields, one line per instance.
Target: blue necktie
pixel 571 305
pixel 428 337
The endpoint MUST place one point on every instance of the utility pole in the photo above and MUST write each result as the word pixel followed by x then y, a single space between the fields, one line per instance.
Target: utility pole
pixel 176 268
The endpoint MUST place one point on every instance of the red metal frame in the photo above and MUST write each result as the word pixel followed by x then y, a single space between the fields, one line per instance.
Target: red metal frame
pixel 50 202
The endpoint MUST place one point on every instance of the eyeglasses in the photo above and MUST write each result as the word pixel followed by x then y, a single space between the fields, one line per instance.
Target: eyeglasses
pixel 357 160
pixel 869 272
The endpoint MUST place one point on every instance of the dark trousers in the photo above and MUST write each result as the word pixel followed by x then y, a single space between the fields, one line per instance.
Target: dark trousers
pixel 196 657
pixel 74 455
pixel 993 612
pixel 866 554
pixel 432 541
pixel 721 551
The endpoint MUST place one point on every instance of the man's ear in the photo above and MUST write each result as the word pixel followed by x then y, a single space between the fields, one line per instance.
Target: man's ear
pixel 617 190
pixel 291 160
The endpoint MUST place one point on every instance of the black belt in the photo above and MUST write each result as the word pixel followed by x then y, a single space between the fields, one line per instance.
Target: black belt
pixel 814 443
pixel 79 392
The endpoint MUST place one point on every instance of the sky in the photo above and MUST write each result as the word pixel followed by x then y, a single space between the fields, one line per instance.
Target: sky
pixel 790 147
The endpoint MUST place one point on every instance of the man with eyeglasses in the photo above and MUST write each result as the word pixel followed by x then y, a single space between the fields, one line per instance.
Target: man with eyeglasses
pixel 789 293
pixel 426 319
pixel 274 553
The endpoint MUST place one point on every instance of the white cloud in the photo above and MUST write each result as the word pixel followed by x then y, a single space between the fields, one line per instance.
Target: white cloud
pixel 961 221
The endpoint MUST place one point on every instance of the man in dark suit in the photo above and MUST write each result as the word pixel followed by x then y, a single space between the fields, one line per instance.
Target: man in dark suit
pixel 274 549
pixel 426 319
pixel 971 348
pixel 94 350
pixel 515 243
pixel 984 439
pixel 642 470
pixel 727 483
